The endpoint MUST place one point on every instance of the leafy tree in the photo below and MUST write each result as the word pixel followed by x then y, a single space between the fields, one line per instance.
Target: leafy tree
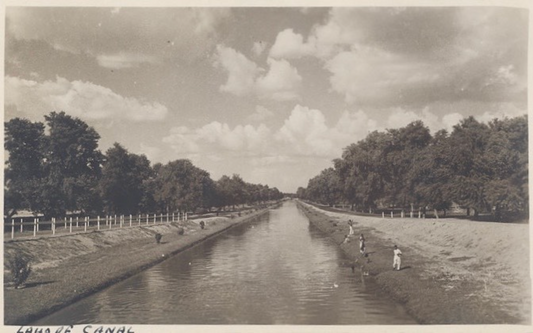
pixel 468 164
pixel 182 186
pixel 430 174
pixel 124 180
pixel 72 166
pixel 24 166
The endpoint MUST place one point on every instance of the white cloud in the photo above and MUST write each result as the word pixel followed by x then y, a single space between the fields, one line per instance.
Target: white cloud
pixel 260 115
pixel 215 137
pixel 281 82
pixel 368 74
pixel 259 47
pixel 503 110
pixel 152 153
pixel 77 98
pixel 241 71
pixel 290 45
pixel 306 132
pixel 123 60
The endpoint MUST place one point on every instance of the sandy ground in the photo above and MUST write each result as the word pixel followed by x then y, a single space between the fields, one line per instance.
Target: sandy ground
pixel 455 271
pixel 69 267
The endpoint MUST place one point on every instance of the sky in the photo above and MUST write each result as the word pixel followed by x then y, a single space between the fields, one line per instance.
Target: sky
pixel 271 94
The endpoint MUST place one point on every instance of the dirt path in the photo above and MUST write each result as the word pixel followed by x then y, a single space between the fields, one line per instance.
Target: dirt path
pixel 455 271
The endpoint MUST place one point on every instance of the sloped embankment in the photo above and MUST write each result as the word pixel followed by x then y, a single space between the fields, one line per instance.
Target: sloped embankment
pixel 70 267
pixel 454 271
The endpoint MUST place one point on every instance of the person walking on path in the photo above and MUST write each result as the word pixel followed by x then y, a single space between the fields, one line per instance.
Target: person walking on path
pixel 362 247
pixel 397 258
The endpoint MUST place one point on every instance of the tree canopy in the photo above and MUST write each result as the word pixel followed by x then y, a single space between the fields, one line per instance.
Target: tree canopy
pixel 481 167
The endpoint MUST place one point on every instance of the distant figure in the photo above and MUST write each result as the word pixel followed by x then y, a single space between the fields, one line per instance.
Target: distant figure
pixel 202 224
pixel 397 258
pixel 158 237
pixel 362 247
pixel 351 232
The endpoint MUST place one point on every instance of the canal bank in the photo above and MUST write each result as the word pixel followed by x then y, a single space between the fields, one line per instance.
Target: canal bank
pixel 454 271
pixel 71 267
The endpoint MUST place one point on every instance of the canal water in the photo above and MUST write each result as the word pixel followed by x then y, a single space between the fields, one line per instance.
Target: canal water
pixel 277 269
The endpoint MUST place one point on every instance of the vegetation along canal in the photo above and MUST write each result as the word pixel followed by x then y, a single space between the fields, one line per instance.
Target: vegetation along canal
pixel 276 270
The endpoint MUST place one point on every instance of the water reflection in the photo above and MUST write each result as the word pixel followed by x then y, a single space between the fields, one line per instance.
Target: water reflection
pixel 275 270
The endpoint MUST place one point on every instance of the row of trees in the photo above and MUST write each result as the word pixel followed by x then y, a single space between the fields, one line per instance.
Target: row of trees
pixel 481 167
pixel 58 169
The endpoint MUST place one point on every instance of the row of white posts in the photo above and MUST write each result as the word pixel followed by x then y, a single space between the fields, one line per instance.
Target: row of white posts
pixel 402 215
pixel 108 220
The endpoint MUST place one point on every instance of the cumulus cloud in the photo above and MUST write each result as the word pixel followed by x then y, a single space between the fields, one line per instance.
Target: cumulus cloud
pixel 368 75
pixel 417 55
pixel 281 82
pixel 216 137
pixel 290 45
pixel 241 71
pixel 81 99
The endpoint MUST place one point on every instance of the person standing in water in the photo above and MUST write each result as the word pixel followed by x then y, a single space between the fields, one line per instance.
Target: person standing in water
pixel 397 259
pixel 362 247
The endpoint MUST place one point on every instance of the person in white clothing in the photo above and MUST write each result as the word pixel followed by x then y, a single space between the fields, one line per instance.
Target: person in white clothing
pixel 351 232
pixel 397 263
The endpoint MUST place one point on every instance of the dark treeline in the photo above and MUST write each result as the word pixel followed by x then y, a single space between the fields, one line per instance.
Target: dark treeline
pixel 60 170
pixel 481 167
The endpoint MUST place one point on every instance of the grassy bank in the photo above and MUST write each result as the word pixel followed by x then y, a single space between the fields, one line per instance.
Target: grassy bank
pixel 454 271
pixel 69 267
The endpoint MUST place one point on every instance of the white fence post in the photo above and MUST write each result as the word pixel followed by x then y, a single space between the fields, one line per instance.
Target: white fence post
pixel 172 217
pixel 37 224
pixel 383 214
pixel 391 214
pixel 110 221
pixel 85 227
pixel 411 214
pixel 77 224
pixel 53 225
pixel 34 227
pixel 419 214
pixel 12 228
pixel 98 222
pixel 130 220
pixel 21 225
pixel 139 219
pixel 402 215
pixel 71 225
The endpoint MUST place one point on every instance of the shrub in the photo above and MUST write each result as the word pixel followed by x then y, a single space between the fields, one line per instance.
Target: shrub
pixel 20 268
pixel 158 238
pixel 181 231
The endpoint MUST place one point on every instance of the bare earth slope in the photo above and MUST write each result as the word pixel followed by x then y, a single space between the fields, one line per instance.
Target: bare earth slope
pixel 454 271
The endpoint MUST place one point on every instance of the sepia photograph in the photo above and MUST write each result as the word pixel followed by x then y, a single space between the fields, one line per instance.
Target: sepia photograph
pixel 349 166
